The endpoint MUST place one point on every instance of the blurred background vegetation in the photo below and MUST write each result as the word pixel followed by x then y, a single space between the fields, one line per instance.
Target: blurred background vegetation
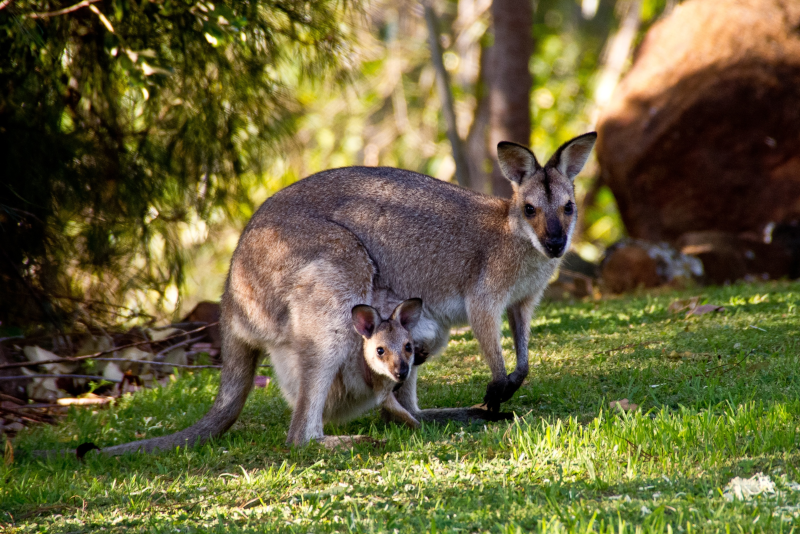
pixel 137 137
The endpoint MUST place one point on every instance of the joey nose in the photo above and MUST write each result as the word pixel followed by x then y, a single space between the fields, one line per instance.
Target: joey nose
pixel 402 371
pixel 555 245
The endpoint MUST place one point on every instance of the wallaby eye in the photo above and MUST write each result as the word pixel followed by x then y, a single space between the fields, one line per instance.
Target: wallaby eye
pixel 408 347
pixel 380 351
pixel 529 210
pixel 569 208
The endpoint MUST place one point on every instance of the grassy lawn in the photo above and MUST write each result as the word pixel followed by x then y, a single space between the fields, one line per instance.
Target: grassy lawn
pixel 718 396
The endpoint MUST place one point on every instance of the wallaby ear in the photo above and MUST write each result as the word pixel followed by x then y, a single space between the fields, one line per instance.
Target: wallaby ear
pixel 516 161
pixel 570 157
pixel 408 313
pixel 365 319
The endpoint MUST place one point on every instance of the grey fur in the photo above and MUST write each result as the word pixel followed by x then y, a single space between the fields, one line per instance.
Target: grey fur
pixel 338 238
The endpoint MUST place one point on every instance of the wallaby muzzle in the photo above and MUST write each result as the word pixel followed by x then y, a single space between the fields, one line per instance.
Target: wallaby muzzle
pixel 555 240
pixel 555 246
pixel 401 373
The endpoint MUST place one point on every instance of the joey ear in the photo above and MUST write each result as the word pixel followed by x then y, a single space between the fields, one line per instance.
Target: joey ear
pixel 570 157
pixel 408 313
pixel 516 161
pixel 365 320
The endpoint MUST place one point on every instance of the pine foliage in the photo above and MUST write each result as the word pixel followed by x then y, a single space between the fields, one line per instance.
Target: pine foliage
pixel 123 122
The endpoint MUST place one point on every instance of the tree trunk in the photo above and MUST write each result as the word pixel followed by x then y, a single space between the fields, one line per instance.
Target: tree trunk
pixel 511 81
pixel 477 140
pixel 618 50
pixel 446 96
pixel 615 57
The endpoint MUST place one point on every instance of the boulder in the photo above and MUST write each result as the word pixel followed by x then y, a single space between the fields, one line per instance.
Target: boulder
pixel 630 264
pixel 703 133
pixel 727 257
pixel 209 313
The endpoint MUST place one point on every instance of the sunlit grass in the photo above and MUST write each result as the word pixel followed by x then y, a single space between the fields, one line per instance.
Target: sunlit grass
pixel 718 397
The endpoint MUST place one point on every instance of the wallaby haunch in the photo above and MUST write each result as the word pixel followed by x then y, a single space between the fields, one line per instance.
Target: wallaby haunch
pixel 327 243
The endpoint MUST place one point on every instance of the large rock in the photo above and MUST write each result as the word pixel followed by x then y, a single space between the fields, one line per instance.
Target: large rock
pixel 634 263
pixel 703 133
pixel 727 257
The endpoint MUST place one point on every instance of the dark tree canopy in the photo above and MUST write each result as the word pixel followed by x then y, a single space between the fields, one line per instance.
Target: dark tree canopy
pixel 120 120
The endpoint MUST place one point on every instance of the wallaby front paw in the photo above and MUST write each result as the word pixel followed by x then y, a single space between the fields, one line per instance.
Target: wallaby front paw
pixel 400 418
pixel 420 354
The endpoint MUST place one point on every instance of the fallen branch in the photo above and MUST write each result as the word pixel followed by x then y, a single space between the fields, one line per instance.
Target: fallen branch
pixel 39 406
pixel 90 377
pixel 64 11
pixel 177 345
pixel 42 510
pixel 9 398
pixel 109 351
pixel 166 364
pixel 35 417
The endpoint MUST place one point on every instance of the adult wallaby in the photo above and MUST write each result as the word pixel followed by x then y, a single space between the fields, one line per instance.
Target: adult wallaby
pixel 323 245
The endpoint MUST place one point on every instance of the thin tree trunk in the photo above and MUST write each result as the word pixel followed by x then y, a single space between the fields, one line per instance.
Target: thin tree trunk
pixel 618 50
pixel 511 80
pixel 446 96
pixel 477 139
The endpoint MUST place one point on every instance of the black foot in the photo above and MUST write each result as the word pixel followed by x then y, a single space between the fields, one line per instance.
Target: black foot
pixel 461 415
pixel 486 415
pixel 498 392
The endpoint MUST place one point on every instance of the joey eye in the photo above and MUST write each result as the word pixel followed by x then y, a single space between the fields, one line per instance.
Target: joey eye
pixel 529 210
pixel 380 351
pixel 569 208
pixel 408 347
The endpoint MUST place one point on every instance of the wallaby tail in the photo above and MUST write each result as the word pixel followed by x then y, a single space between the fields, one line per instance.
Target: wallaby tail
pixel 239 363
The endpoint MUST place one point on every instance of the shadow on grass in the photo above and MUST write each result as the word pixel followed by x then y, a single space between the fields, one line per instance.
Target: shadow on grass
pixel 583 356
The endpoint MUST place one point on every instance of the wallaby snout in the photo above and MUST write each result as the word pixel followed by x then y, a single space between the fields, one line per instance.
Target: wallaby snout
pixel 555 240
pixel 402 371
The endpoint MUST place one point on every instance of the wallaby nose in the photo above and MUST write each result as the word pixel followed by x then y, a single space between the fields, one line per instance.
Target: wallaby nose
pixel 555 245
pixel 402 371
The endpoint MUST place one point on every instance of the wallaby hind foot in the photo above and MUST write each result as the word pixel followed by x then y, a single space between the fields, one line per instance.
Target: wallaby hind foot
pixel 446 415
pixel 462 415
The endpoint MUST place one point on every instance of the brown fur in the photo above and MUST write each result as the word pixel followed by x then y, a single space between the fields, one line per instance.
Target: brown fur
pixel 332 241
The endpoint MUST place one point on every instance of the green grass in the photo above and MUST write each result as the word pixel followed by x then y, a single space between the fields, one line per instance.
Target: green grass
pixel 719 397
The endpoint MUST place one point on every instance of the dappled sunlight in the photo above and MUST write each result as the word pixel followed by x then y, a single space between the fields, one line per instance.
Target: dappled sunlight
pixel 716 399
